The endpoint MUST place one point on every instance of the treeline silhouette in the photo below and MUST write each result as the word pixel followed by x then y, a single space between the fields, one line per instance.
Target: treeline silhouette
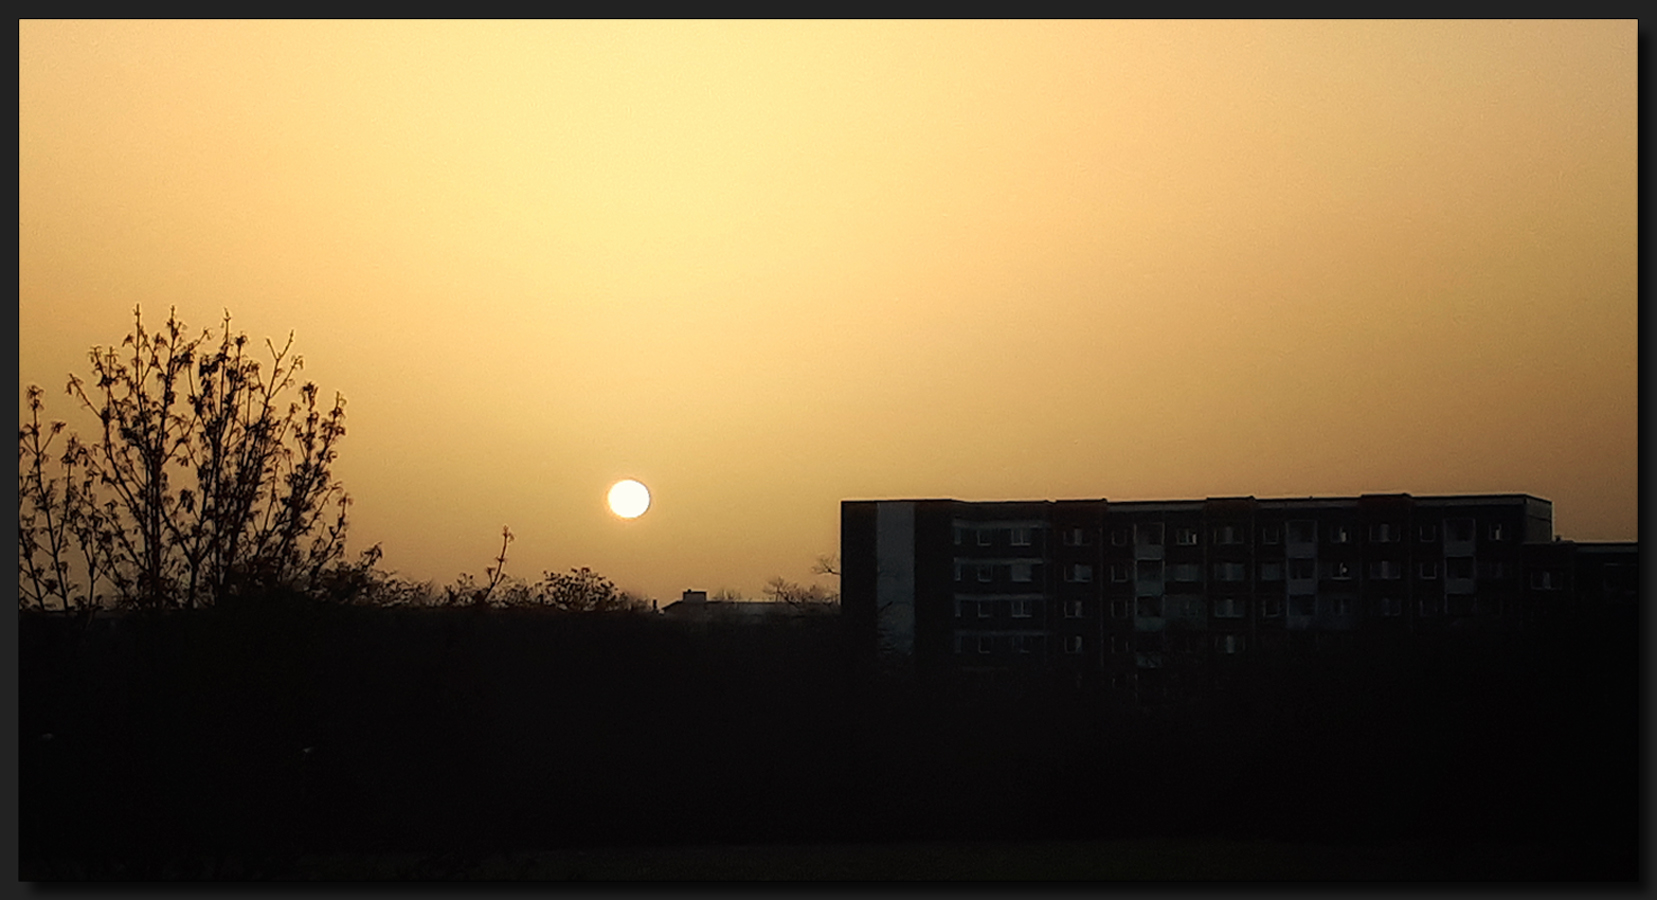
pixel 276 729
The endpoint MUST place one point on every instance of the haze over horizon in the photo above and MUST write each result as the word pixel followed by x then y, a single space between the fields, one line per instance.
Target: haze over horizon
pixel 763 267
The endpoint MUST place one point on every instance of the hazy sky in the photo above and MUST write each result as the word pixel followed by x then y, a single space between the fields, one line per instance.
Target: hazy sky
pixel 764 267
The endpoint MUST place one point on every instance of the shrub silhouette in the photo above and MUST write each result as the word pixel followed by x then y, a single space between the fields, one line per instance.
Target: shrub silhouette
pixel 210 477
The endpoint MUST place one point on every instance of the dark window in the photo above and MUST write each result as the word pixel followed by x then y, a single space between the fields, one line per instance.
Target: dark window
pixel 986 573
pixel 985 536
pixel 1119 537
pixel 1271 571
pixel 1458 530
pixel 1019 537
pixel 1118 571
pixel 1119 609
pixel 1303 568
pixel 1428 533
pixel 1149 533
pixel 1185 537
pixel 1427 571
pixel 1340 570
pixel 1383 533
pixel 1303 532
pixel 1458 567
pixel 1271 534
pixel 1271 607
pixel 1148 607
pixel 1340 534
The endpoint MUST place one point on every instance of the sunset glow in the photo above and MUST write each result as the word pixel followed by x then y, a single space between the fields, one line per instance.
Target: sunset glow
pixel 1028 260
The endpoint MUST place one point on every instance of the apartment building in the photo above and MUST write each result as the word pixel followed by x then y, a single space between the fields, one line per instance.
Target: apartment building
pixel 1148 593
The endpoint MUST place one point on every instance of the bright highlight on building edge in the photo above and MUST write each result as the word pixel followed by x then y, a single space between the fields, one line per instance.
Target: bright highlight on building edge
pixel 629 499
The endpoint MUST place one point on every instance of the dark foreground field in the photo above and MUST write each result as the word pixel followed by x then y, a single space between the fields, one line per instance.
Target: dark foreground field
pixel 326 742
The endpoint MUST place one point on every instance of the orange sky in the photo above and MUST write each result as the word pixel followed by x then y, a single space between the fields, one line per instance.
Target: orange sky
pixel 764 267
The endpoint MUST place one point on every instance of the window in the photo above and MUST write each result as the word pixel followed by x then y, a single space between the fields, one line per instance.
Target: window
pixel 1427 571
pixel 1192 606
pixel 1021 609
pixel 1302 569
pixel 1271 571
pixel 1149 534
pixel 1118 571
pixel 1383 533
pixel 1022 572
pixel 1149 570
pixel 1073 644
pixel 1230 571
pixel 1391 607
pixel 1493 568
pixel 1428 533
pixel 1546 580
pixel 1496 531
pixel 1075 537
pixel 1228 534
pixel 986 609
pixel 1271 608
pixel 1458 604
pixel 1429 606
pixel 1339 606
pixel 1458 530
pixel 986 645
pixel 1458 567
pixel 1119 609
pixel 1302 604
pixel 1021 643
pixel 1229 608
pixel 1271 534
pixel 1121 643
pixel 986 573
pixel 960 571
pixel 1184 572
pixel 1078 573
pixel 1386 570
pixel 960 535
pixel 1185 537
pixel 1303 532
pixel 985 536
pixel 1340 534
pixel 1073 609
pixel 1340 570
pixel 1019 537
pixel 1148 607
pixel 1229 643
pixel 1119 537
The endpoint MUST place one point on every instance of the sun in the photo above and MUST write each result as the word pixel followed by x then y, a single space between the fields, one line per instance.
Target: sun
pixel 629 499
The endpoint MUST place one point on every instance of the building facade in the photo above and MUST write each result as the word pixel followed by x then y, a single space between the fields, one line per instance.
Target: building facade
pixel 1150 593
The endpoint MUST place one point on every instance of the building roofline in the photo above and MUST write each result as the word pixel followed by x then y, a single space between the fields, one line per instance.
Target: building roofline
pixel 1430 499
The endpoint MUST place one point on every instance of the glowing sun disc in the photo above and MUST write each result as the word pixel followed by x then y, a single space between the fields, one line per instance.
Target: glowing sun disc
pixel 629 499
